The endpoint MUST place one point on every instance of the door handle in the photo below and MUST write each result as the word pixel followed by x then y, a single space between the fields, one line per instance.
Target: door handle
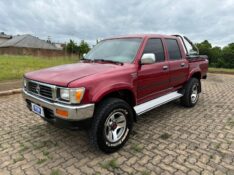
pixel 182 64
pixel 165 67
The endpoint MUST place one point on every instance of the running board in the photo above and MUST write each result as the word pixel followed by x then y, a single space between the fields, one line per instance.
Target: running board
pixel 147 106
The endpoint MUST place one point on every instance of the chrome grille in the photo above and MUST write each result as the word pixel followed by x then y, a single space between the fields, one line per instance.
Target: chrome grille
pixel 32 87
pixel 40 89
pixel 45 91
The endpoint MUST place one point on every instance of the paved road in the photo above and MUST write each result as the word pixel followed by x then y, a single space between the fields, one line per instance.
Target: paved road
pixel 167 140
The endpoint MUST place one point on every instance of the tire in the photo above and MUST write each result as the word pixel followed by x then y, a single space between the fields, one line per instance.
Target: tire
pixel 191 93
pixel 112 125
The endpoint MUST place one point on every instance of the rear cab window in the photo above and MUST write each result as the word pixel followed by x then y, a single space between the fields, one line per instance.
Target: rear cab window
pixel 155 46
pixel 173 49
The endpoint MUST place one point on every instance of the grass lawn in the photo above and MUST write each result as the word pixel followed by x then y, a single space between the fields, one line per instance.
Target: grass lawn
pixel 221 70
pixel 13 67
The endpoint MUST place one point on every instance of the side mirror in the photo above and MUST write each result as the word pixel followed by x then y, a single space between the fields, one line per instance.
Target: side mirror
pixel 148 58
pixel 84 54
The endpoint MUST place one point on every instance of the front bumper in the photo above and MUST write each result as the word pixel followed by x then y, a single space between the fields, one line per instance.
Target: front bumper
pixel 76 113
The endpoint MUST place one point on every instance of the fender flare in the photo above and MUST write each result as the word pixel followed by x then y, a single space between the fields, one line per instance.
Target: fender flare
pixel 194 71
pixel 110 89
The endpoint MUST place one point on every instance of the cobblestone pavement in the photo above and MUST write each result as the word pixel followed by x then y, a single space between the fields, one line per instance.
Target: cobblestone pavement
pixel 168 140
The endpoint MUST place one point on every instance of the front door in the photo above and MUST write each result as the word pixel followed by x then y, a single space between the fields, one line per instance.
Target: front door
pixel 153 79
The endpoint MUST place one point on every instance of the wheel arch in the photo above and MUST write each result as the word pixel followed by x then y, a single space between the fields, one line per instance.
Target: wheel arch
pixel 196 74
pixel 125 94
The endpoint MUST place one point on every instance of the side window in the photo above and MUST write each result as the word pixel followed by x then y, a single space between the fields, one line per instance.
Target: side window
pixel 173 49
pixel 155 46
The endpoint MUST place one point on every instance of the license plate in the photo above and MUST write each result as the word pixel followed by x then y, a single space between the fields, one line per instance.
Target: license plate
pixel 37 109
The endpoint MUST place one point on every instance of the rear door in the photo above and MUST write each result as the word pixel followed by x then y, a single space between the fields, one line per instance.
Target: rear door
pixel 153 79
pixel 178 64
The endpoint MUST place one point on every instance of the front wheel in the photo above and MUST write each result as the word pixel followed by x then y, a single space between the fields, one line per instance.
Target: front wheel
pixel 112 124
pixel 191 93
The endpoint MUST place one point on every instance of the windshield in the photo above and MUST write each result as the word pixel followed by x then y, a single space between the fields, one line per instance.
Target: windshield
pixel 119 50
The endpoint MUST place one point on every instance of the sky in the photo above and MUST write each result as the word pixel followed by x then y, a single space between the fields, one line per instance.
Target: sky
pixel 62 20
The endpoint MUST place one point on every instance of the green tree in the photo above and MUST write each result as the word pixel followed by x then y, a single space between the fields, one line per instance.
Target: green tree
pixel 228 56
pixel 83 48
pixel 71 47
pixel 216 56
pixel 205 49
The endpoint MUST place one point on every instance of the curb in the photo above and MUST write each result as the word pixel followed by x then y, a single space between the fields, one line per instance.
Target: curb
pixel 221 72
pixel 10 92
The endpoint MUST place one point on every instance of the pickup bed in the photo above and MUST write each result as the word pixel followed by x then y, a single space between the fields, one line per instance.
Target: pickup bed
pixel 119 79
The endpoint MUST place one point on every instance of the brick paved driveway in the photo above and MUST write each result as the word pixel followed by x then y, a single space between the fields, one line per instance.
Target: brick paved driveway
pixel 167 140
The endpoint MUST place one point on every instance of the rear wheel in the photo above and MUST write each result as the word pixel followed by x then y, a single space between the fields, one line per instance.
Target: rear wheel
pixel 191 93
pixel 112 124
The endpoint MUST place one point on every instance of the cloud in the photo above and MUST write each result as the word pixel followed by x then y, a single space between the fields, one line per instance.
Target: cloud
pixel 61 20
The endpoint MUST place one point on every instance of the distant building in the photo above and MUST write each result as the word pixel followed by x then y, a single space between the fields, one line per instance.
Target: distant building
pixel 29 45
pixel 60 45
pixel 4 37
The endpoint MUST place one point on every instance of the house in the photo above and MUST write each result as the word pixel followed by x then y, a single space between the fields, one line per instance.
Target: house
pixel 60 45
pixel 4 37
pixel 29 45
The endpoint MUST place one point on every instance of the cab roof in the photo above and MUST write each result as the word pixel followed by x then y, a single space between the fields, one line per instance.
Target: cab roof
pixel 143 36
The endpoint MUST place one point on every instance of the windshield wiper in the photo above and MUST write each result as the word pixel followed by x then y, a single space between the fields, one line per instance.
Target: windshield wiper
pixel 109 61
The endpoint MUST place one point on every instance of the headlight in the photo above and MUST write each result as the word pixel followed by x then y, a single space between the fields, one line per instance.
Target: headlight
pixel 65 94
pixel 25 82
pixel 72 95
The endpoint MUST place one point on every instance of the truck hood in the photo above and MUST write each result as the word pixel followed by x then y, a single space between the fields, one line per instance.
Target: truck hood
pixel 63 75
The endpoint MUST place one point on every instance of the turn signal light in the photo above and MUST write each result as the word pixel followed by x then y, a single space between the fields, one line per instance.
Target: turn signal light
pixel 62 113
pixel 79 95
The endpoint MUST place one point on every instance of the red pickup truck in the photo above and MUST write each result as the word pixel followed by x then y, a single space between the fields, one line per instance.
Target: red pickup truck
pixel 118 80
